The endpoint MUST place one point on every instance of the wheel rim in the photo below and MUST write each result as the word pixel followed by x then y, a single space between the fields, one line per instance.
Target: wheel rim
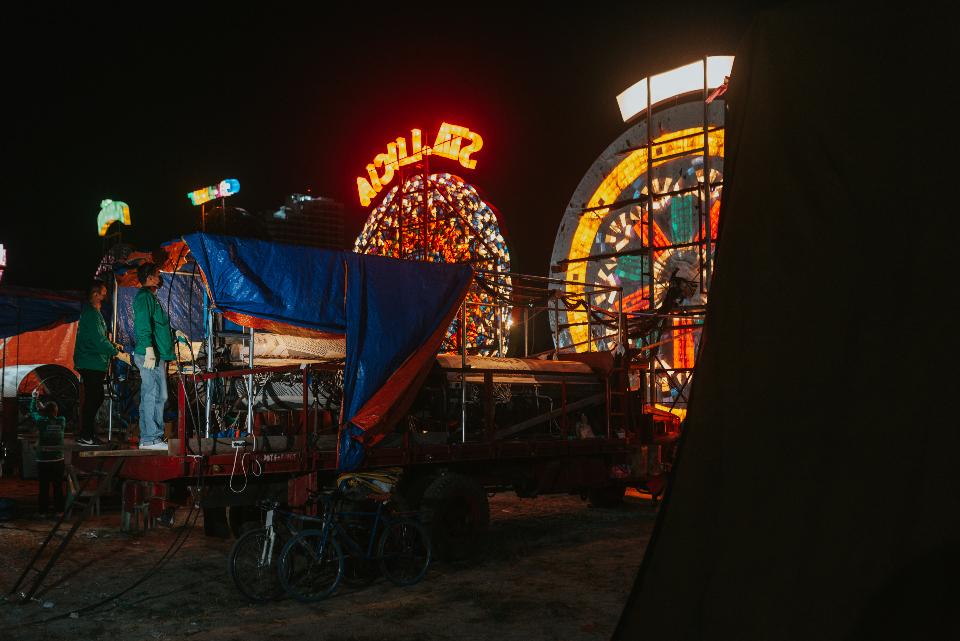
pixel 311 567
pixel 254 566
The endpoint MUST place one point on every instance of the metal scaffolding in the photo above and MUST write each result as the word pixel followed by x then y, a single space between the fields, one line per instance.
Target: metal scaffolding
pixel 664 228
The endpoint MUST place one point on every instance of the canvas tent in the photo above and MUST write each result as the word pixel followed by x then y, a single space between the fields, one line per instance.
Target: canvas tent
pixel 393 313
pixel 816 494
pixel 37 327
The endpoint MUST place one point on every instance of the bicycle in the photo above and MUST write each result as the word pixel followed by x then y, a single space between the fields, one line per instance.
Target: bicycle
pixel 312 563
pixel 253 559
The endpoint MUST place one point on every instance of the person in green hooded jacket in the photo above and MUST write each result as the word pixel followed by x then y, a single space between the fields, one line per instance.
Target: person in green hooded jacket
pixel 154 349
pixel 91 358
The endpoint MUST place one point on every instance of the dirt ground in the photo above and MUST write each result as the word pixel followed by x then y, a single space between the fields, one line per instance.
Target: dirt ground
pixel 551 568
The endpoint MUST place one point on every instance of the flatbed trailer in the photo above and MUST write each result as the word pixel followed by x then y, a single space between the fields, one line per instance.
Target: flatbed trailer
pixel 560 422
pixel 293 453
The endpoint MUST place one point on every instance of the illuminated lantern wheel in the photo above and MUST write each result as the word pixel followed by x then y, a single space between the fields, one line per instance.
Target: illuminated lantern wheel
pixel 445 221
pixel 613 233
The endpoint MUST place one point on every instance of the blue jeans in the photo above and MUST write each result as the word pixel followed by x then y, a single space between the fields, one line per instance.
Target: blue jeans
pixel 153 396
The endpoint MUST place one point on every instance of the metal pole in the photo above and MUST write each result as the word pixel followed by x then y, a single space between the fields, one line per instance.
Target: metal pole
pixel 651 295
pixel 556 327
pixel 250 386
pixel 621 330
pixel 526 320
pixel 113 369
pixel 705 272
pixel 3 376
pixel 499 330
pixel 401 192
pixel 589 324
pixel 209 382
pixel 463 372
pixel 424 221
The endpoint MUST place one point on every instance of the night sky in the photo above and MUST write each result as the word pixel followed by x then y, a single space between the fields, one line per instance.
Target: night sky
pixel 144 109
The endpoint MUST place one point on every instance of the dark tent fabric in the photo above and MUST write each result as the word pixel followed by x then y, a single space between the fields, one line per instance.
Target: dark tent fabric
pixel 816 493
pixel 394 315
pixel 26 310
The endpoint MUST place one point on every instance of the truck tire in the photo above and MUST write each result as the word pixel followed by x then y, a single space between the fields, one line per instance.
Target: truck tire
pixel 456 513
pixel 606 496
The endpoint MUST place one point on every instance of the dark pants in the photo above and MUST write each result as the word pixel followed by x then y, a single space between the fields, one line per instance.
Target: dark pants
pixel 92 400
pixel 50 473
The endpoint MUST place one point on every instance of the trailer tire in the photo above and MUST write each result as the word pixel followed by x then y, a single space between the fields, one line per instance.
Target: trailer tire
pixel 456 513
pixel 215 522
pixel 411 491
pixel 243 518
pixel 606 496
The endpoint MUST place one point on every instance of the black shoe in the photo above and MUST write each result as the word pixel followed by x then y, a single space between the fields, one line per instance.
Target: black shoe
pixel 87 441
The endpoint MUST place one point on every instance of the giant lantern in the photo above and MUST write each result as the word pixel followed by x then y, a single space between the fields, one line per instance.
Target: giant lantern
pixel 644 218
pixel 438 217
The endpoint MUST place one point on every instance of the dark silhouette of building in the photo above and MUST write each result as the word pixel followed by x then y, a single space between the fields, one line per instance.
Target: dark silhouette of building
pixel 308 220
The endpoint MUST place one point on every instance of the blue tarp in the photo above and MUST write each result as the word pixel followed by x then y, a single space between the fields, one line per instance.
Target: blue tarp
pixel 181 296
pixel 26 310
pixel 390 310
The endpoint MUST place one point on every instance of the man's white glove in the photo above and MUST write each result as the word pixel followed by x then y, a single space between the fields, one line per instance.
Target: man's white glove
pixel 149 360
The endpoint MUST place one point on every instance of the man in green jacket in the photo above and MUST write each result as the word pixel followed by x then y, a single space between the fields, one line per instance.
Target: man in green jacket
pixel 91 357
pixel 154 349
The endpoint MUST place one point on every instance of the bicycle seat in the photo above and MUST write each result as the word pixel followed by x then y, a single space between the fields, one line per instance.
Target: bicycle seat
pixel 268 504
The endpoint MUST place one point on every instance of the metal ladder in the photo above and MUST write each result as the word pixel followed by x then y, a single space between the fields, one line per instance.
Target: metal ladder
pixel 78 508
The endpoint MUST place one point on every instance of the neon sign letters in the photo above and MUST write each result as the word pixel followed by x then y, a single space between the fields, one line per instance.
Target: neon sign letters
pixel 112 211
pixel 227 187
pixel 449 144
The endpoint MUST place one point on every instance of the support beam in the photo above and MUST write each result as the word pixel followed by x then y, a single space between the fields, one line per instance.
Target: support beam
pixel 596 399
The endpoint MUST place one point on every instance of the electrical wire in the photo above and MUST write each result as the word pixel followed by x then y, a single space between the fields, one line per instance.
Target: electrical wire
pixel 194 410
pixel 184 532
pixel 179 539
pixel 243 468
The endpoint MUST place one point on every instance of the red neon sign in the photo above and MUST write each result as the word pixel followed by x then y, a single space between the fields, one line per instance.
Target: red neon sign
pixel 449 144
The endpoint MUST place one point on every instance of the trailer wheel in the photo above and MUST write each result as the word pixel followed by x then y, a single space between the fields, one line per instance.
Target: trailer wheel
pixel 410 492
pixel 606 496
pixel 244 518
pixel 215 522
pixel 456 513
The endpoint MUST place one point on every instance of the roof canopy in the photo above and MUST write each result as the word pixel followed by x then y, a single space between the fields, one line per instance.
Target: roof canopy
pixel 26 310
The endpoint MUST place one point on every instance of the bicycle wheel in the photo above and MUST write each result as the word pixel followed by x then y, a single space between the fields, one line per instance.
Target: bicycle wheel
pixel 253 565
pixel 359 570
pixel 404 552
pixel 311 566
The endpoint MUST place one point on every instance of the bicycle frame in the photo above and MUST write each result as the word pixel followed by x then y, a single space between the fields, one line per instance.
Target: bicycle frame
pixel 333 526
pixel 288 518
pixel 345 538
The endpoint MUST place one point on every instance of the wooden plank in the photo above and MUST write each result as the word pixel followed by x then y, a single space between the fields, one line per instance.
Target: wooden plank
pixel 119 453
pixel 225 445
